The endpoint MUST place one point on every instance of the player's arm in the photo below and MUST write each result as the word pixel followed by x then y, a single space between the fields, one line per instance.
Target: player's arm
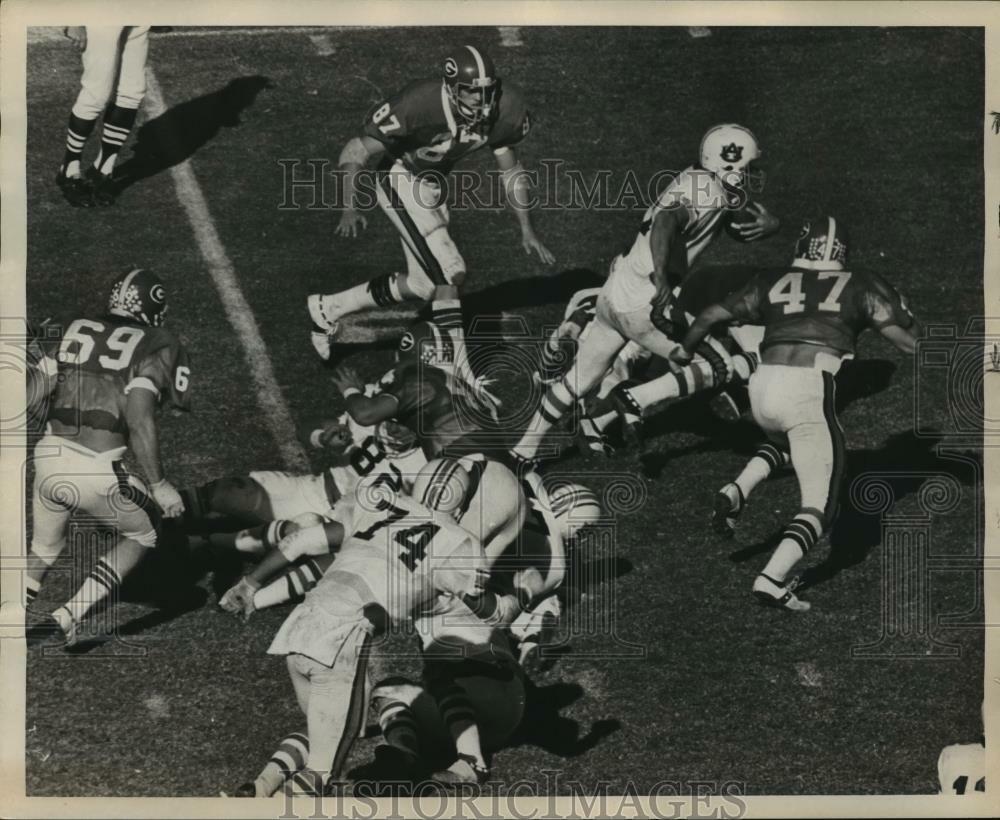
pixel 889 313
pixel 904 338
pixel 354 158
pixel 140 417
pixel 664 237
pixel 365 410
pixel 518 191
pixel 703 324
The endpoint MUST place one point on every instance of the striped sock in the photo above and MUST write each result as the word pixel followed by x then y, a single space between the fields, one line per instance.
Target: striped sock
pixel 102 582
pixel 290 757
pixel 399 727
pixel 31 587
pixel 294 585
pixel 118 124
pixel 798 538
pixel 766 460
pixel 687 380
pixel 460 718
pixel 384 290
pixel 744 365
pixel 76 138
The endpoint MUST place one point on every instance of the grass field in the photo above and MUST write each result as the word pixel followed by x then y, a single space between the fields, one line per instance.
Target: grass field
pixel 879 126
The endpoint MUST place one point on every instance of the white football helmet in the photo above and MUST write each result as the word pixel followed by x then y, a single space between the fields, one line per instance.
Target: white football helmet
pixel 573 505
pixel 442 485
pixel 727 150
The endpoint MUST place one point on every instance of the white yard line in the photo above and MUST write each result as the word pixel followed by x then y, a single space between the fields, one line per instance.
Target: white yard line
pixel 277 417
pixel 699 31
pixel 510 36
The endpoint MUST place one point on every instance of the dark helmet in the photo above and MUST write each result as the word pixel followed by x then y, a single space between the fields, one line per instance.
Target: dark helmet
pixel 469 69
pixel 139 295
pixel 822 243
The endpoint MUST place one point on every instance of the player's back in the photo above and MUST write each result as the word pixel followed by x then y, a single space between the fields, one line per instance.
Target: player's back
pixel 101 360
pixel 397 556
pixel 824 308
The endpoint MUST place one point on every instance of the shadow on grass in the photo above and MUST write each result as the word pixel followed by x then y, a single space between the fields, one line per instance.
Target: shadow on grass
pixel 178 133
pixel 544 727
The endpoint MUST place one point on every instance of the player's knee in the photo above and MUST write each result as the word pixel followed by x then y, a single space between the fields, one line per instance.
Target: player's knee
pixel 307 520
pixel 91 101
pixel 47 551
pixel 130 97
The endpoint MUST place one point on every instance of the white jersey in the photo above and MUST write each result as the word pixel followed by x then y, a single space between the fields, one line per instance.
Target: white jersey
pixel 704 197
pixel 962 768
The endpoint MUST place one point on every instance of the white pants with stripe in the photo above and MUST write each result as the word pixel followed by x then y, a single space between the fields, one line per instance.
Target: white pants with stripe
pixel 417 209
pixel 70 478
pixel 795 407
pixel 114 63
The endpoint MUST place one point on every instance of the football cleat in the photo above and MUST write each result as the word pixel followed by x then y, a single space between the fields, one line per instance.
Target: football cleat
pixel 726 510
pixel 592 439
pixel 463 772
pixel 324 327
pixel 103 188
pixel 246 790
pixel 772 593
pixel 75 190
pixel 822 245
pixel 630 413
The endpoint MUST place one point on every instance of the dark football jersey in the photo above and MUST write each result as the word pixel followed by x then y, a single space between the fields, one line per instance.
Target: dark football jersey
pixel 100 360
pixel 418 126
pixel 446 418
pixel 818 307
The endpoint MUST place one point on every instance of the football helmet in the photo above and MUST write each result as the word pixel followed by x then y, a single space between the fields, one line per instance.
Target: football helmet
pixel 426 342
pixel 138 295
pixel 573 505
pixel 468 69
pixel 822 244
pixel 727 151
pixel 442 485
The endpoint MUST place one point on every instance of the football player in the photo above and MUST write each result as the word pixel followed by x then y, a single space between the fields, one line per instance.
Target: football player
pixel 962 768
pixel 113 373
pixel 813 313
pixel 393 556
pixel 414 139
pixel 635 302
pixel 114 69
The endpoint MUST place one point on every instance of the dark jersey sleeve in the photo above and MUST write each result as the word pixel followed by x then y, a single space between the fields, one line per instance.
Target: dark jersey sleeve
pixel 746 305
pixel 167 367
pixel 513 119
pixel 883 305
pixel 409 390
pixel 393 121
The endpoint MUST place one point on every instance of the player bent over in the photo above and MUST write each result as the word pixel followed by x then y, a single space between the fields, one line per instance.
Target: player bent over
pixel 634 304
pixel 113 372
pixel 414 139
pixel 812 313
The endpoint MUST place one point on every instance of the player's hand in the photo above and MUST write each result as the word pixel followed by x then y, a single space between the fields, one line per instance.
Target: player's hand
pixel 764 224
pixel 332 436
pixel 679 355
pixel 350 220
pixel 532 244
pixel 239 598
pixel 345 378
pixel 166 495
pixel 529 585
pixel 78 34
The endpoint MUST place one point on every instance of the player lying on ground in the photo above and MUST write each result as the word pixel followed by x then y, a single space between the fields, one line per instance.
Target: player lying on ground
pixel 812 313
pixel 395 556
pixel 414 139
pixel 113 373
pixel 634 304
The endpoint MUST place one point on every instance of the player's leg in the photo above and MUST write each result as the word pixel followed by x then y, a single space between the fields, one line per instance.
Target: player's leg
pixel 289 758
pixel 401 707
pixel 100 66
pixel 119 118
pixel 294 584
pixel 597 350
pixel 818 455
pixel 53 501
pixel 119 497
pixel 459 717
pixel 731 499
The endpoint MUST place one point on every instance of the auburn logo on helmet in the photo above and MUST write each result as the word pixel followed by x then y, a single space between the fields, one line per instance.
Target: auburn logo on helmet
pixel 732 152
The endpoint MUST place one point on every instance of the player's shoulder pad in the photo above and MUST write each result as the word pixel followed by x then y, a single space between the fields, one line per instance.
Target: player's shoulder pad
pixel 513 119
pixel 416 103
pixel 156 339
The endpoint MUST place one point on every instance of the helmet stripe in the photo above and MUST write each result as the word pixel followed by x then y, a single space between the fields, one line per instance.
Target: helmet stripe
pixel 480 67
pixel 439 479
pixel 831 234
pixel 128 279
